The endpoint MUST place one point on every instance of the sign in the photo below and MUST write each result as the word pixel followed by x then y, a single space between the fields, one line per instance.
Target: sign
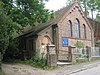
pixel 65 41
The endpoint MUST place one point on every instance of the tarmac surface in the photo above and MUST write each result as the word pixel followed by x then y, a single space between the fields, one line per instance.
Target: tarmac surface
pixel 92 71
pixel 89 68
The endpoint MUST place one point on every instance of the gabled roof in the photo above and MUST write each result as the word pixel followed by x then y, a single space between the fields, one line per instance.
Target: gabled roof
pixel 58 15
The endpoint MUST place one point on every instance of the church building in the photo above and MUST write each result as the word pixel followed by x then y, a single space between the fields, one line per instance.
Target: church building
pixel 69 26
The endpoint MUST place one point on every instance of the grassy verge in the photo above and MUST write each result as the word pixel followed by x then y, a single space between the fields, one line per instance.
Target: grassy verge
pixel 1 73
pixel 37 63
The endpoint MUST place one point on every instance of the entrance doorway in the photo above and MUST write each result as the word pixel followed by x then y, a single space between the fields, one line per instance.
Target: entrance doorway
pixel 45 41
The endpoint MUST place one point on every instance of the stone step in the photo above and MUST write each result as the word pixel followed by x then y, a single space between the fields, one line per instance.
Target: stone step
pixel 60 63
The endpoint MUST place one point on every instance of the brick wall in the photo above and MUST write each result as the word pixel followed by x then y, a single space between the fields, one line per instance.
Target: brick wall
pixel 72 14
pixel 46 32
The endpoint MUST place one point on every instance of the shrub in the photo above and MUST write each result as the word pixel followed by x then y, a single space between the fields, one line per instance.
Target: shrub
pixel 37 61
pixel 12 51
pixel 79 44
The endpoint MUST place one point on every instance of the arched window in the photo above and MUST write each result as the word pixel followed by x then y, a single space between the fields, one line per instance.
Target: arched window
pixel 77 28
pixel 69 24
pixel 83 31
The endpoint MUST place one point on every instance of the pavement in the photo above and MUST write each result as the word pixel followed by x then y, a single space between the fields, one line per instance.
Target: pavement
pixel 70 69
pixel 90 71
pixel 19 69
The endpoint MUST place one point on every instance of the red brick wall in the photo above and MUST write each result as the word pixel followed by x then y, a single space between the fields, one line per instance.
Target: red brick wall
pixel 72 14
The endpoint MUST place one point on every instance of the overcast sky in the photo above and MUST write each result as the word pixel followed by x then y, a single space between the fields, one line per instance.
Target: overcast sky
pixel 58 4
pixel 55 4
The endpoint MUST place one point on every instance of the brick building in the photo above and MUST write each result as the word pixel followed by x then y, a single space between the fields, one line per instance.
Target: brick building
pixel 69 26
pixel 96 27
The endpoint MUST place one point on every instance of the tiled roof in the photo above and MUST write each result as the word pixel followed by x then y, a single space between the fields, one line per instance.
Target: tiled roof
pixel 58 15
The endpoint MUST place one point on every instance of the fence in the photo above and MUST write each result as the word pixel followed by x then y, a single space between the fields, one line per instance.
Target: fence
pixel 95 52
pixel 89 52
pixel 81 52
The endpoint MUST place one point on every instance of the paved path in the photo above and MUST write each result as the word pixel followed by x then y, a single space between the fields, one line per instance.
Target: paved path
pixel 19 69
pixel 92 71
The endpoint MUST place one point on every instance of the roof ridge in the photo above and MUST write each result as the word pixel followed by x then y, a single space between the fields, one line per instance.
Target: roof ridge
pixel 58 15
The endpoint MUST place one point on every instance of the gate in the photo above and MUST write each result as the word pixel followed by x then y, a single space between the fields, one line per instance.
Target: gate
pixel 65 55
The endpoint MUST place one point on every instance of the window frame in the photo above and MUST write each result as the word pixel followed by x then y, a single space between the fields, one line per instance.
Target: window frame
pixel 84 31
pixel 69 27
pixel 77 28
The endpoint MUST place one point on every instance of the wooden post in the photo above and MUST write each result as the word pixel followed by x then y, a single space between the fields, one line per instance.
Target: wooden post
pixel 89 53
pixel 69 53
pixel 73 53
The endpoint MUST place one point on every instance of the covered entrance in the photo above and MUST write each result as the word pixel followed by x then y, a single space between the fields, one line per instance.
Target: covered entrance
pixel 45 41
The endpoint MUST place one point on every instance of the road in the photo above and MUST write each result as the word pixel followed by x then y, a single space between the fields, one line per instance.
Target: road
pixel 90 68
pixel 92 71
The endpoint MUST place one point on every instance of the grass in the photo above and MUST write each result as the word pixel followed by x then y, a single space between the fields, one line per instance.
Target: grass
pixel 86 62
pixel 1 73
pixel 37 63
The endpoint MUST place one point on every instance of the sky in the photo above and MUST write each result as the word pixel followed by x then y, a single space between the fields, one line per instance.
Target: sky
pixel 55 4
pixel 58 4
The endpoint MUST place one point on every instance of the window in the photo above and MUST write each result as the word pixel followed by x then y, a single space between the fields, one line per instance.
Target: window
pixel 83 31
pixel 77 29
pixel 69 24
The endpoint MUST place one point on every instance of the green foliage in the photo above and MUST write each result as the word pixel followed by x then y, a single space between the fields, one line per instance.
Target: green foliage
pixel 82 56
pixel 89 5
pixel 17 14
pixel 92 5
pixel 27 12
pixel 1 72
pixel 37 61
pixel 78 60
pixel 98 44
pixel 6 29
pixel 98 17
pixel 79 44
pixel 12 51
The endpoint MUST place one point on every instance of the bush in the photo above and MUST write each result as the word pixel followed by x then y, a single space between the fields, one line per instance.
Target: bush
pixel 12 51
pixel 38 61
pixel 1 73
pixel 79 44
pixel 80 56
pixel 97 44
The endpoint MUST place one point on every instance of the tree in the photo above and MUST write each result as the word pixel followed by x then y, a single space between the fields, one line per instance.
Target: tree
pixel 27 12
pixel 17 14
pixel 6 29
pixel 89 5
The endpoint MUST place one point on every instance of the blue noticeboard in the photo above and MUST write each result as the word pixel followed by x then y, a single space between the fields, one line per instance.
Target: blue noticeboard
pixel 65 41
